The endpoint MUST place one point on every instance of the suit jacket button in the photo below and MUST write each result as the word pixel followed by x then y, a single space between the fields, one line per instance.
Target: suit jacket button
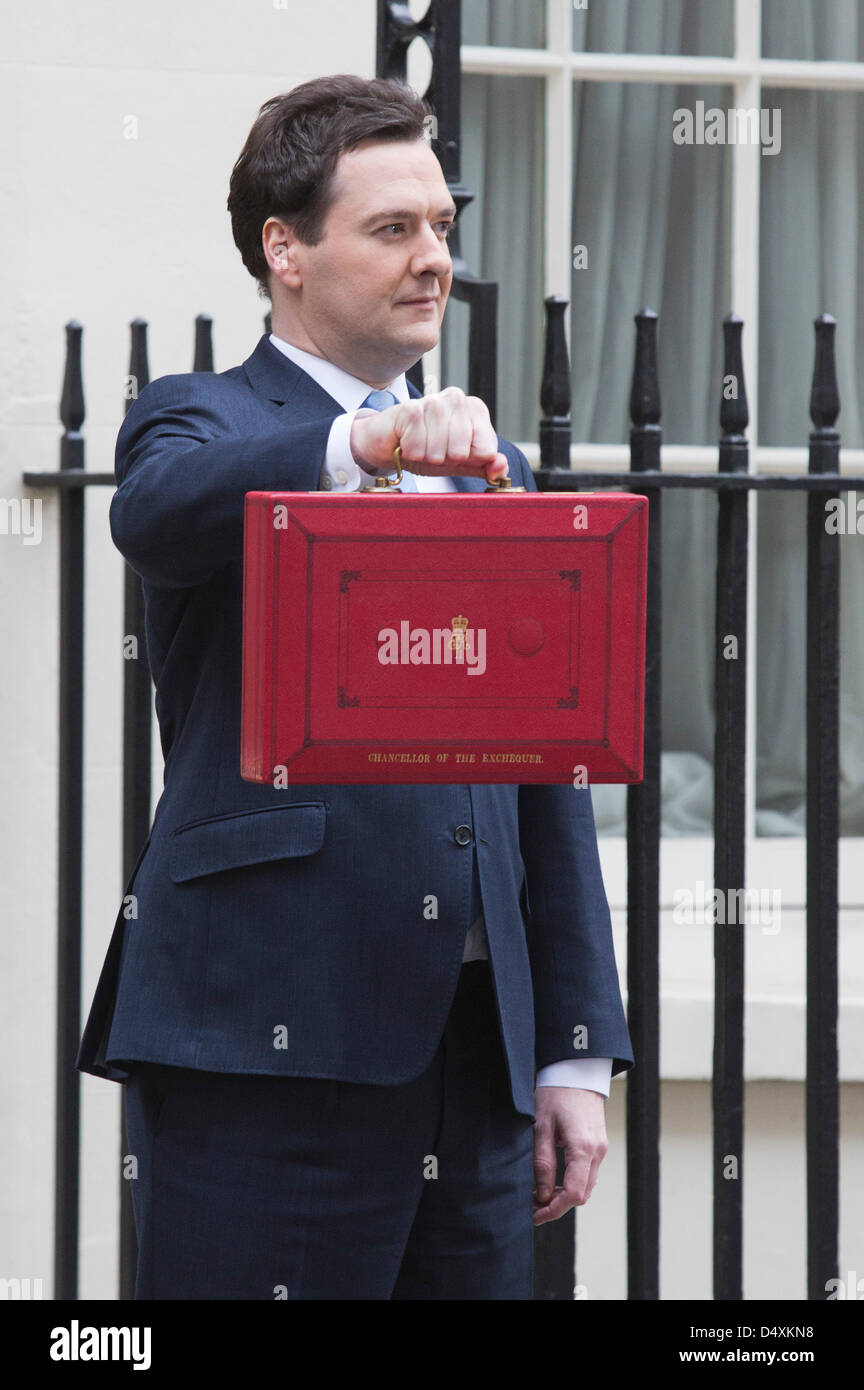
pixel 463 835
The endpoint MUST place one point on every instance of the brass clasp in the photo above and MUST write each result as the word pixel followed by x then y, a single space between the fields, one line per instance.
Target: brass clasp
pixel 503 485
pixel 386 484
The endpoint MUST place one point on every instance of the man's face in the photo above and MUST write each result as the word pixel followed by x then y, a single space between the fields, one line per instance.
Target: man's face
pixel 370 296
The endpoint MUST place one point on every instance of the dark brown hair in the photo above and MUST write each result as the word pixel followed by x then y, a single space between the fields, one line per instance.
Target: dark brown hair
pixel 286 167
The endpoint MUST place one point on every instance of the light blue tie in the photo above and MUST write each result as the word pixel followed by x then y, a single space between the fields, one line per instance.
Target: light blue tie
pixel 380 400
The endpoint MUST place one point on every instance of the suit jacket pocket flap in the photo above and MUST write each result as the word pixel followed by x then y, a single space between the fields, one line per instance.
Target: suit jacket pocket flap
pixel 250 837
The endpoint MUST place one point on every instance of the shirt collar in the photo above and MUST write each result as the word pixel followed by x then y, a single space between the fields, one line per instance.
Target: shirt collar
pixel 348 390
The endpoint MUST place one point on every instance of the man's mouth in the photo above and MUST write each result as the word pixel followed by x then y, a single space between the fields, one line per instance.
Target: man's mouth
pixel 426 301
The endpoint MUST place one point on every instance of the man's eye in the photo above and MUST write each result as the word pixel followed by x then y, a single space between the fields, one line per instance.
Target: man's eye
pixel 398 227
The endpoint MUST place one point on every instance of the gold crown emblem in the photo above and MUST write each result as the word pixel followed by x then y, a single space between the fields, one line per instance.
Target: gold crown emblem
pixel 459 625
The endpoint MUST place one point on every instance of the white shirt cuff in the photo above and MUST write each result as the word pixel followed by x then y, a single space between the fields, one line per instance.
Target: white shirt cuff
pixel 582 1073
pixel 340 471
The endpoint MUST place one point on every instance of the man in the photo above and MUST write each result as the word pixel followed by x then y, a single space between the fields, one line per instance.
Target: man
pixel 331 1093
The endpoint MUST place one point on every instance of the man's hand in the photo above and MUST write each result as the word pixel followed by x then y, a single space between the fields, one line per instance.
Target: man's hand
pixel 444 433
pixel 574 1120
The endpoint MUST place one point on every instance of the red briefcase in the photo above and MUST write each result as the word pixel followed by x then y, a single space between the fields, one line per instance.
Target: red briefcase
pixel 443 637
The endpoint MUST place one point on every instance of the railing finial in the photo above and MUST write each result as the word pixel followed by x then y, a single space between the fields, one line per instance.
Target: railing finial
pixel 555 391
pixel 645 407
pixel 72 408
pixel 824 392
pixel 734 411
pixel 203 344
pixel 139 366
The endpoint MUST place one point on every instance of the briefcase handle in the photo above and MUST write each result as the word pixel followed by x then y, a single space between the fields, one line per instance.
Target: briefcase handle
pixel 390 485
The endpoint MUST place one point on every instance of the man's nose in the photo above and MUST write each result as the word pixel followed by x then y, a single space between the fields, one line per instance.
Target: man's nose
pixel 433 257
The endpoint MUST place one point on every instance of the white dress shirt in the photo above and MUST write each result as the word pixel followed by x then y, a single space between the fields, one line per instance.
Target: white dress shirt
pixel 342 473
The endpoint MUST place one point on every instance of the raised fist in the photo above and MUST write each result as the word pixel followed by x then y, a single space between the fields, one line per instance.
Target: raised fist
pixel 447 432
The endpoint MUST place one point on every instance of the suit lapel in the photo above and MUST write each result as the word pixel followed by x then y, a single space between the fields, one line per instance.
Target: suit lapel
pixel 279 382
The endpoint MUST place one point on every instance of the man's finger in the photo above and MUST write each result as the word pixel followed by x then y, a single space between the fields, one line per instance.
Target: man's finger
pixel 580 1177
pixel 484 440
pixel 545 1162
pixel 435 413
pixel 498 468
pixel 411 430
pixel 460 433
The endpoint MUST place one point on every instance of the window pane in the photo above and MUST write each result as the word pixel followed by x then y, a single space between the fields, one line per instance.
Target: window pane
pixel 811 259
pixel 668 27
pixel 501 234
pixel 653 219
pixel 821 30
pixel 504 23
pixel 502 238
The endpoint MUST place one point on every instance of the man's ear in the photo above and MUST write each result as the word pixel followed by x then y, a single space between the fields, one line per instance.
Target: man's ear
pixel 278 243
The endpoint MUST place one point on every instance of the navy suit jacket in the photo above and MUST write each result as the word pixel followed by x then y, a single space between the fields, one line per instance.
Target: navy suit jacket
pixel 282 930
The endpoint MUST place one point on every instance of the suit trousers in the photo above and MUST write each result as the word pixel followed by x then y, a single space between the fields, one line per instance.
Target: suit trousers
pixel 284 1187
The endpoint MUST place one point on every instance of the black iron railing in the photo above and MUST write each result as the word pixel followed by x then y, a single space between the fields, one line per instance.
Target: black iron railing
pixel 732 483
pixel 71 479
